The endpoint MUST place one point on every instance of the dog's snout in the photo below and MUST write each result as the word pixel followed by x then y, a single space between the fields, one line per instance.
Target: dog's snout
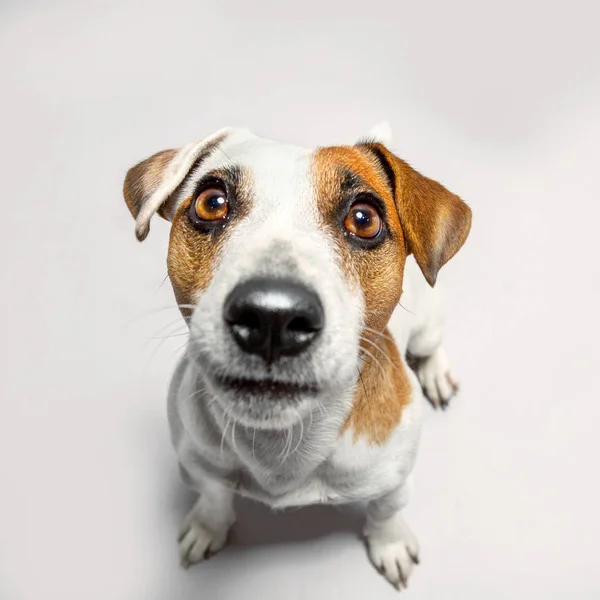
pixel 273 317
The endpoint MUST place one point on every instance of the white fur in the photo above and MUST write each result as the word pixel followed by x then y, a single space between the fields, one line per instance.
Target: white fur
pixel 436 377
pixel 296 456
pixel 382 132
pixel 204 530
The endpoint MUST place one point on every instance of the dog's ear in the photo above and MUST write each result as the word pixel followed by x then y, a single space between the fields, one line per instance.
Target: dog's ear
pixel 435 222
pixel 143 180
pixel 380 133
pixel 152 185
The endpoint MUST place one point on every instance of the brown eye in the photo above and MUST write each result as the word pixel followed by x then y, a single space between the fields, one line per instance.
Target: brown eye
pixel 364 221
pixel 211 204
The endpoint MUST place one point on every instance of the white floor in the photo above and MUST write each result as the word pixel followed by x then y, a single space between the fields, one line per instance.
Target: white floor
pixel 501 104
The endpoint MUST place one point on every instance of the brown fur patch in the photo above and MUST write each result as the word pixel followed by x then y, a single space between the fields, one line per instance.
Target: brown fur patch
pixel 422 217
pixel 191 257
pixel 383 390
pixel 144 178
pixel 436 222
pixel 378 271
pixel 193 254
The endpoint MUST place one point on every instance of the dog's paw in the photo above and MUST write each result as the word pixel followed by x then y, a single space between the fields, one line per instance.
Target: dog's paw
pixel 198 541
pixel 394 559
pixel 436 378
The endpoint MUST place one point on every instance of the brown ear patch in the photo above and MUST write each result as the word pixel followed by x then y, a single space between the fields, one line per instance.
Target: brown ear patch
pixel 383 391
pixel 144 178
pixel 155 184
pixel 435 222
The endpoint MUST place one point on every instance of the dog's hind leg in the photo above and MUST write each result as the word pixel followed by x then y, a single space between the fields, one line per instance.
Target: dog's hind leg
pixel 426 353
pixel 436 378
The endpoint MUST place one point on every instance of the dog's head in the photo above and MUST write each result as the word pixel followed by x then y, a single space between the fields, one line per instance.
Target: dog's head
pixel 282 258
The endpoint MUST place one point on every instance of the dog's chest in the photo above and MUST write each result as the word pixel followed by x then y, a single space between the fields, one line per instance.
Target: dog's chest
pixel 314 490
pixel 353 473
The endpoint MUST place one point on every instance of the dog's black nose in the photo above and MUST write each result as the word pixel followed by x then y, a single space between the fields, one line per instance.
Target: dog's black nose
pixel 271 317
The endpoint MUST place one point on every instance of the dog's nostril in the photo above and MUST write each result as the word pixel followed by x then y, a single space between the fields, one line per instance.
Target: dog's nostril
pixel 271 317
pixel 301 325
pixel 249 319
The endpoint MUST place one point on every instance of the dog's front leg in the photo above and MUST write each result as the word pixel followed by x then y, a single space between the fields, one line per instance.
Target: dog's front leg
pixel 204 531
pixel 392 546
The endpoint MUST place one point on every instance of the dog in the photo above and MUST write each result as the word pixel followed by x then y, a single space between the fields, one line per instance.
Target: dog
pixel 287 265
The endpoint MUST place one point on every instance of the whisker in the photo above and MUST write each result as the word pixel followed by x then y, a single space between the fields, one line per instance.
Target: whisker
pixel 225 153
pixel 166 337
pixel 179 349
pixel 160 344
pixel 301 434
pixel 288 445
pixel 152 312
pixel 163 282
pixel 406 309
pixel 233 435
pixel 381 350
pixel 378 363
pixel 194 394
pixel 379 333
pixel 291 442
pixel 224 433
pixel 170 324
pixel 360 379
pixel 384 354
pixel 377 347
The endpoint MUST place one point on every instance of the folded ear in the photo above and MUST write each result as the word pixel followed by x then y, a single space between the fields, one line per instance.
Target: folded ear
pixel 435 222
pixel 144 179
pixel 151 185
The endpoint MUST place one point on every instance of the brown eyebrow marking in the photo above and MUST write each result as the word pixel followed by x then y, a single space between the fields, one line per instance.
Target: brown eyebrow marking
pixel 349 181
pixel 355 164
pixel 383 163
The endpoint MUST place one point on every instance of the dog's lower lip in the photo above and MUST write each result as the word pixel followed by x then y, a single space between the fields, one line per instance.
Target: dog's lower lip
pixel 266 386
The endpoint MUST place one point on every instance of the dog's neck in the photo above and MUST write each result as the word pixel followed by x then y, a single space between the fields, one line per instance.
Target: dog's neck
pixel 281 457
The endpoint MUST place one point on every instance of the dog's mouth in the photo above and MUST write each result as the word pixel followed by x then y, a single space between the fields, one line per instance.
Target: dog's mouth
pixel 267 389
pixel 268 403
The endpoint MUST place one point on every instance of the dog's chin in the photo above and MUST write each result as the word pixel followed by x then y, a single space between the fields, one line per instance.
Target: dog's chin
pixel 264 403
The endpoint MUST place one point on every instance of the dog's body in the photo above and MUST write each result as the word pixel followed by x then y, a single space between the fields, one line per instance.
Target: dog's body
pixel 287 265
pixel 320 467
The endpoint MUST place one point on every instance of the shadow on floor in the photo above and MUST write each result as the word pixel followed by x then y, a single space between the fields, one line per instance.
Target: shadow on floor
pixel 262 541
pixel 258 525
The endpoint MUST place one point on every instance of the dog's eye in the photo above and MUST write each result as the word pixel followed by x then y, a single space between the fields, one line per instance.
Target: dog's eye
pixel 211 204
pixel 364 221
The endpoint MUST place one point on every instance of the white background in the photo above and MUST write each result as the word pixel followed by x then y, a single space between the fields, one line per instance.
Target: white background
pixel 500 101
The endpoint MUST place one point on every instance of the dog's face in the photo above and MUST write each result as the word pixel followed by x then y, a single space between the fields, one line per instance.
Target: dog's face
pixel 283 260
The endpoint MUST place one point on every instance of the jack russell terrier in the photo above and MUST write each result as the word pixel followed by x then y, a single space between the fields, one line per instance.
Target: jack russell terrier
pixel 287 265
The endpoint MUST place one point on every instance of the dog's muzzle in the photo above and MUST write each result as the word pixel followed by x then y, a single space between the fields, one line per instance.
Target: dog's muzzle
pixel 273 317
